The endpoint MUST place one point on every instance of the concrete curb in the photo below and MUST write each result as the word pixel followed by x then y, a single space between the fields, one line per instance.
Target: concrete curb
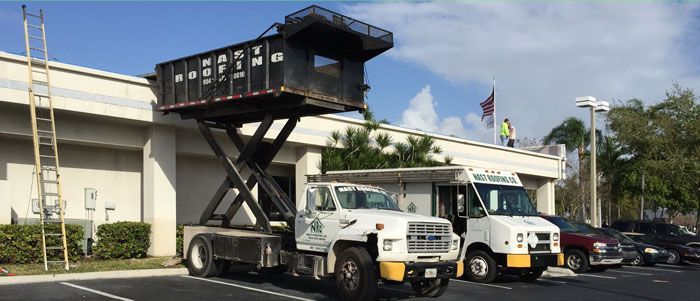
pixel 9 280
pixel 558 272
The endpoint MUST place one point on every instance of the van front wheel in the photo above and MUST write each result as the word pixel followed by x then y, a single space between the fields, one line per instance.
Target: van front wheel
pixel 481 267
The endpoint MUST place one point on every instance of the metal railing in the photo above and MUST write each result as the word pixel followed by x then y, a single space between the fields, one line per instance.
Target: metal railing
pixel 340 20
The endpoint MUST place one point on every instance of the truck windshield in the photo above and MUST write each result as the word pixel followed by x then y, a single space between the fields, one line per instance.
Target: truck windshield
pixel 505 200
pixel 364 197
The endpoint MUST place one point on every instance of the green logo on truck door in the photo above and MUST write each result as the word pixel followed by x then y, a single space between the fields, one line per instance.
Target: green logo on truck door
pixel 316 226
pixel 412 208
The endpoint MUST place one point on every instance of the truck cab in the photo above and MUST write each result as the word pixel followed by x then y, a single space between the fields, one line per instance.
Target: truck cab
pixel 334 217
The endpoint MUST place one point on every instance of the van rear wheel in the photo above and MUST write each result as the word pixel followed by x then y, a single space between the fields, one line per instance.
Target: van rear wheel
pixel 481 267
pixel 355 277
pixel 430 288
pixel 201 261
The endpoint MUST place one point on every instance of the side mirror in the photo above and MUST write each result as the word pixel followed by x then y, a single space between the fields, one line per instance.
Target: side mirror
pixel 461 206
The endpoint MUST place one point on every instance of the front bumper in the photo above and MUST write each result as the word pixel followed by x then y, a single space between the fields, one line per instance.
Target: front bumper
pixel 692 257
pixel 605 259
pixel 656 257
pixel 534 260
pixel 401 271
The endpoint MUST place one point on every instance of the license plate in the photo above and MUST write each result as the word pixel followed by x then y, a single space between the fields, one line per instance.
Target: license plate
pixel 430 273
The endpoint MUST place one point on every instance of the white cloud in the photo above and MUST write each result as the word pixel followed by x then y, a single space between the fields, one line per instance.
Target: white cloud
pixel 542 54
pixel 421 115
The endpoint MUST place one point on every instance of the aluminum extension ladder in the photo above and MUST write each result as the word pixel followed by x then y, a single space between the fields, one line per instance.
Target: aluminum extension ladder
pixel 48 179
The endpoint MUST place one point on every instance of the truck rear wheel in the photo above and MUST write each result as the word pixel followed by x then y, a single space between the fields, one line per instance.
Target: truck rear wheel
pixel 576 261
pixel 430 288
pixel 355 277
pixel 481 267
pixel 531 274
pixel 200 259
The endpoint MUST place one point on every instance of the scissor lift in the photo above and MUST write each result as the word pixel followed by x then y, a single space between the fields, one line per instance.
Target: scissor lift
pixel 314 65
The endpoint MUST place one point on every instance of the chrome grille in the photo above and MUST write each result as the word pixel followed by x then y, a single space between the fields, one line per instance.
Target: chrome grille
pixel 429 238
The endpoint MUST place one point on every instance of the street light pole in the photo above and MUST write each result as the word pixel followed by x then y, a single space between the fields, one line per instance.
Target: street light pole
pixel 594 178
pixel 603 106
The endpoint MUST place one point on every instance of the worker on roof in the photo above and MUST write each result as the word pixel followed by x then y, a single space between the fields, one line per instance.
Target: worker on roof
pixel 505 133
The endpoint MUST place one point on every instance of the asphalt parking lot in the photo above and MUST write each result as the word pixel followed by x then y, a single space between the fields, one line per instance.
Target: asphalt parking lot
pixel 661 282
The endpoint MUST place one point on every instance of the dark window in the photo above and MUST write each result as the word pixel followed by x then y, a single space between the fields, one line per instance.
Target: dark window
pixel 646 228
pixel 474 207
pixel 327 66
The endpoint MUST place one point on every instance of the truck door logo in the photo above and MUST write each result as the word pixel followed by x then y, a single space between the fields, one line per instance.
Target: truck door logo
pixel 316 226
pixel 412 208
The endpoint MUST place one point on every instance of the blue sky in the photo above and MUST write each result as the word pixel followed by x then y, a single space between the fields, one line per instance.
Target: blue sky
pixel 445 54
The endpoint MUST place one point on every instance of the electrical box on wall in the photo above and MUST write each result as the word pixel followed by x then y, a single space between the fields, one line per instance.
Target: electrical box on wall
pixel 90 198
pixel 35 206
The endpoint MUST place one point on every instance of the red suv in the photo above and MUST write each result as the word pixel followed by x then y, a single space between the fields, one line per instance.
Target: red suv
pixel 585 250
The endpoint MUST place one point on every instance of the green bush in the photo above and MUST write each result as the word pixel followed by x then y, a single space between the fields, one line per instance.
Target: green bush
pixel 22 243
pixel 122 240
pixel 178 239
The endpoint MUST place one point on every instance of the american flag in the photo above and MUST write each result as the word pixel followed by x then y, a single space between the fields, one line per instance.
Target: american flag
pixel 488 106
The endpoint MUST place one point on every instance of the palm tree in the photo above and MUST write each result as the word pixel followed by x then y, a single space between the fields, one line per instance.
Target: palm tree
pixel 571 133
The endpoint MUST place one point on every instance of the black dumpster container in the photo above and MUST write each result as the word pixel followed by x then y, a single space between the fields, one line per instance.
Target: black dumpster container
pixel 313 65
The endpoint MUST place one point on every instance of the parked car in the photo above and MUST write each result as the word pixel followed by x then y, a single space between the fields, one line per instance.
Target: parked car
pixel 585 251
pixel 658 232
pixel 629 252
pixel 677 253
pixel 644 254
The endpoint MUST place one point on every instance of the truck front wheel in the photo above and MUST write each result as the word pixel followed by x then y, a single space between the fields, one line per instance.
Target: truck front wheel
pixel 481 267
pixel 200 259
pixel 430 288
pixel 355 277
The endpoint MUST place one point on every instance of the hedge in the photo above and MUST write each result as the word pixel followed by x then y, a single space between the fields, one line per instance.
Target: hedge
pixel 22 243
pixel 178 239
pixel 122 240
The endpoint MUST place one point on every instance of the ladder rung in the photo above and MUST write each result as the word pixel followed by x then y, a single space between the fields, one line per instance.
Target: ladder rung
pixel 47 156
pixel 54 248
pixel 51 222
pixel 55 261
pixel 38 49
pixel 36 38
pixel 34 26
pixel 50 194
pixel 49 181
pixel 40 82
pixel 41 95
pixel 36 60
pixel 53 234
pixel 49 168
pixel 43 119
pixel 44 143
pixel 33 15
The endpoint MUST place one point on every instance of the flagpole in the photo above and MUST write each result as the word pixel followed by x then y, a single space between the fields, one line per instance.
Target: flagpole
pixel 494 111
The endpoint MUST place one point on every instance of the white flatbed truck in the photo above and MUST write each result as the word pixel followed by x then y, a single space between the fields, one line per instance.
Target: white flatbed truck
pixel 353 233
pixel 500 230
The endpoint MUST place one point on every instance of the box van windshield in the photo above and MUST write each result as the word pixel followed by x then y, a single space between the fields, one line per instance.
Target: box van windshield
pixel 364 197
pixel 505 200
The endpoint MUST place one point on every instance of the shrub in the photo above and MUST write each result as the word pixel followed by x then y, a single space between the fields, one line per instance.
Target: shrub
pixel 22 243
pixel 122 240
pixel 178 239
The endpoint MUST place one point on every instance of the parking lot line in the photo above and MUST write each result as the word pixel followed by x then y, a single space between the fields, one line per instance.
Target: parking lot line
pixel 248 288
pixel 484 284
pixel 95 291
pixel 626 272
pixel 655 269
pixel 550 280
pixel 596 276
